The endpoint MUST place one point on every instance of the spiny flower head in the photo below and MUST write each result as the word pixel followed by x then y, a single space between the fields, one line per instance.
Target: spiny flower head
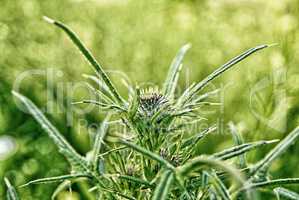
pixel 151 101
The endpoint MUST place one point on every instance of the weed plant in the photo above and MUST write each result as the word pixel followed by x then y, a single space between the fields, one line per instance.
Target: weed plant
pixel 154 157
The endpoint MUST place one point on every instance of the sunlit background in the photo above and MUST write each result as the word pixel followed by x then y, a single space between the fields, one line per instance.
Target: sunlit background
pixel 140 38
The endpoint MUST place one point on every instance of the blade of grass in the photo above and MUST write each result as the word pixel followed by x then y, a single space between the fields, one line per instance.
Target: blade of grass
pixel 87 54
pixel 11 193
pixel 174 70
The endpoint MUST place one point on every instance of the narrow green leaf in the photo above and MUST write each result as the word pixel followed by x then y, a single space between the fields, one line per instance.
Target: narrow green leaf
pixel 113 192
pixel 283 192
pixel 162 190
pixel 76 160
pixel 205 179
pixel 193 140
pixel 87 54
pixel 272 183
pixel 11 193
pixel 136 180
pixel 134 103
pixel 55 179
pixel 279 149
pixel 241 149
pixel 103 97
pixel 102 105
pixel 102 89
pixel 99 139
pixel 219 186
pixel 111 151
pixel 204 187
pixel 238 140
pixel 174 70
pixel 223 68
pixel 204 96
pixel 197 163
pixel 62 186
pixel 147 153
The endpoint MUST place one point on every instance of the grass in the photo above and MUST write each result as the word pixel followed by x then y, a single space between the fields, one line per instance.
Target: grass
pixel 164 163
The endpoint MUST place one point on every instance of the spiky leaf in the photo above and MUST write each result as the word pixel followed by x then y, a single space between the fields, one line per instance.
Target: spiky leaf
pixel 87 54
pixel 76 160
pixel 279 149
pixel 241 149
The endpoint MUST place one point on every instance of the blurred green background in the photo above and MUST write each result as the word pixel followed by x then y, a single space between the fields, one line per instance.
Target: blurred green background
pixel 140 38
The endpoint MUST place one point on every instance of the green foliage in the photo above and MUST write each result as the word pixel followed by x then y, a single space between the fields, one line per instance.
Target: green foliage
pixel 11 193
pixel 282 192
pixel 162 190
pixel 157 158
pixel 264 164
pixel 171 81
pixel 88 56
pixel 77 162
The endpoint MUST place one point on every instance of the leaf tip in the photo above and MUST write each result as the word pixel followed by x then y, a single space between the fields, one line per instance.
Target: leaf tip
pixel 187 46
pixel 272 45
pixel 272 141
pixel 16 94
pixel 24 185
pixel 7 183
pixel 49 20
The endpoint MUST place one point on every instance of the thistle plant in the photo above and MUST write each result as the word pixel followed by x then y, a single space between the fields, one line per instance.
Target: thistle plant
pixel 155 157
